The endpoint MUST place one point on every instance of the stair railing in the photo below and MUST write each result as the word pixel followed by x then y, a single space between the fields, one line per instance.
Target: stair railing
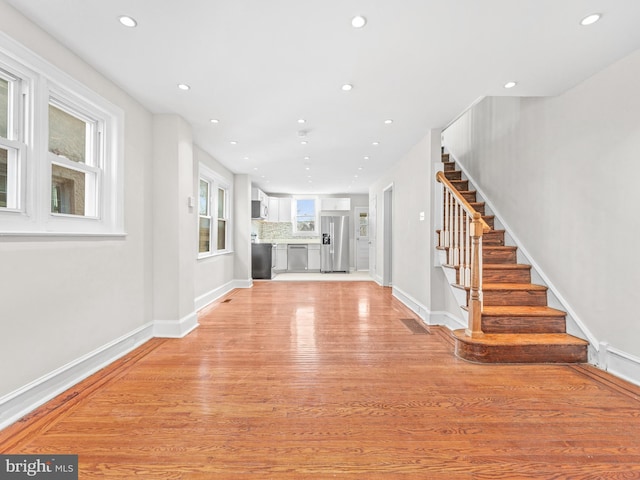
pixel 461 236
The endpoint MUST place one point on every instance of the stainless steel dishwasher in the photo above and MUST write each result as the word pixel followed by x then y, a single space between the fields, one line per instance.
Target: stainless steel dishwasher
pixel 297 258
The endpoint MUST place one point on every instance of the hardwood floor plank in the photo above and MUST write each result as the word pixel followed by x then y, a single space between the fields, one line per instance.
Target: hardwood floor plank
pixel 322 380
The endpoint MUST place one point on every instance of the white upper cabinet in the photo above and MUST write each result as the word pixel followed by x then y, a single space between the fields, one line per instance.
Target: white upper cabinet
pixel 279 209
pixel 335 204
pixel 257 194
pixel 284 210
pixel 274 204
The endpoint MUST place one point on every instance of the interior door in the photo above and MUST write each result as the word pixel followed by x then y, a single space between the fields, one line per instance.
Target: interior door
pixel 362 238
pixel 372 235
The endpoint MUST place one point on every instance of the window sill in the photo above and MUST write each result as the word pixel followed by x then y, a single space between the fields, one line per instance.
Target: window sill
pixel 204 256
pixel 60 235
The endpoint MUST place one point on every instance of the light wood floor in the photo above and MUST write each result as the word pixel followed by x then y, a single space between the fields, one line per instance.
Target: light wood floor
pixel 323 380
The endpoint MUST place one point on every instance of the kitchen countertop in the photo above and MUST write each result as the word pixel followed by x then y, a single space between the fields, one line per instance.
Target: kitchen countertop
pixel 286 241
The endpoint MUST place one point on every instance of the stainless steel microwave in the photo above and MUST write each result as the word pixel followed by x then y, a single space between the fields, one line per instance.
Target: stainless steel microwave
pixel 259 209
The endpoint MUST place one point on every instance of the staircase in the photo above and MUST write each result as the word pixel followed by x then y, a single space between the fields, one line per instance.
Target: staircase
pixel 515 323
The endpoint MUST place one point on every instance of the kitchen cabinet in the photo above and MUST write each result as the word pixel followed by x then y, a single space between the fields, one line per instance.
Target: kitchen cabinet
pixel 281 257
pixel 314 257
pixel 279 209
pixel 259 195
pixel 284 210
pixel 274 203
pixel 335 204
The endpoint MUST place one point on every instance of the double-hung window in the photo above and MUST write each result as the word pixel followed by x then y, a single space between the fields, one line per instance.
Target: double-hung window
pixel 60 151
pixel 12 144
pixel 305 216
pixel 75 156
pixel 214 224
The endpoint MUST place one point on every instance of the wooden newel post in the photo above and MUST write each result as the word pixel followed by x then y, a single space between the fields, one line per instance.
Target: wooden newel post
pixel 474 328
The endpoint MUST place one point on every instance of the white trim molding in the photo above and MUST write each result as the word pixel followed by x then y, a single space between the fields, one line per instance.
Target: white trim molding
pixel 175 328
pixel 213 295
pixel 618 363
pixel 427 316
pixel 18 403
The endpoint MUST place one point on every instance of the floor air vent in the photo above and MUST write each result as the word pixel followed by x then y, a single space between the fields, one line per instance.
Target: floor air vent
pixel 417 328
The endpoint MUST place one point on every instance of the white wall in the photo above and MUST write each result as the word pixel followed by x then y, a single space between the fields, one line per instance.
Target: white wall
pixel 212 273
pixel 64 298
pixel 70 305
pixel 415 279
pixel 562 172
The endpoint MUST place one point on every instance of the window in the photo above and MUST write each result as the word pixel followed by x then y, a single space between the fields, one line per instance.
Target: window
pixel 75 159
pixel 305 220
pixel 223 218
pixel 12 148
pixel 214 210
pixel 60 151
pixel 204 229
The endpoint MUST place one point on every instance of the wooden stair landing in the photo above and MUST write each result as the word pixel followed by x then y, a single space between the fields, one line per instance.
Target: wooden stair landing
pixel 517 324
pixel 521 348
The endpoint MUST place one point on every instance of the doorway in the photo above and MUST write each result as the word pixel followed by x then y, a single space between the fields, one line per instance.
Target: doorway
pixel 362 238
pixel 387 222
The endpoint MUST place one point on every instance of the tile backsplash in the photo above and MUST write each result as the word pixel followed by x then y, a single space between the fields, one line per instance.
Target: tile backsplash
pixel 267 231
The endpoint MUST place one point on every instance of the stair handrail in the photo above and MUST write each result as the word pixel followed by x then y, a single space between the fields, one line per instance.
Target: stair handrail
pixel 461 236
pixel 440 176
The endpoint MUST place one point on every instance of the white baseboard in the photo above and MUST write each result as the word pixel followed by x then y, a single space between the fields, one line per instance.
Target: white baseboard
pixel 619 363
pixel 427 316
pixel 213 295
pixel 18 403
pixel 175 328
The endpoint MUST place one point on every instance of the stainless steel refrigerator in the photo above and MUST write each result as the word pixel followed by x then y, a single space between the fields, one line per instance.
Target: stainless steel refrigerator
pixel 334 249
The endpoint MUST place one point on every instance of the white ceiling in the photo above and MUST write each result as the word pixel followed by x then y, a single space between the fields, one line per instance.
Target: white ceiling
pixel 259 65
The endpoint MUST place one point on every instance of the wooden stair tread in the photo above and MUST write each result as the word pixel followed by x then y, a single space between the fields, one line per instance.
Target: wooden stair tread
pixel 516 339
pixel 522 311
pixel 512 286
pixel 507 266
pixel 495 287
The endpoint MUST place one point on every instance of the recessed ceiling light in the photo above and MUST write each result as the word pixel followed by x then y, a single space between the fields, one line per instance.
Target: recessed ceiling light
pixel 346 87
pixel 307 158
pixel 246 158
pixel 375 144
pixel 358 21
pixel 359 168
pixel 214 120
pixel 127 21
pixel 366 158
pixel 184 86
pixel 355 176
pixel 301 120
pixel 308 168
pixel 303 142
pixel 388 122
pixel 590 19
pixel 255 169
pixel 510 84
pixel 233 142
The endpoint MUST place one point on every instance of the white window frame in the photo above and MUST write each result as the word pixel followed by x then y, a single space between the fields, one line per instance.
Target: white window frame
pixel 15 143
pixel 294 216
pixel 216 182
pixel 225 217
pixel 40 82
